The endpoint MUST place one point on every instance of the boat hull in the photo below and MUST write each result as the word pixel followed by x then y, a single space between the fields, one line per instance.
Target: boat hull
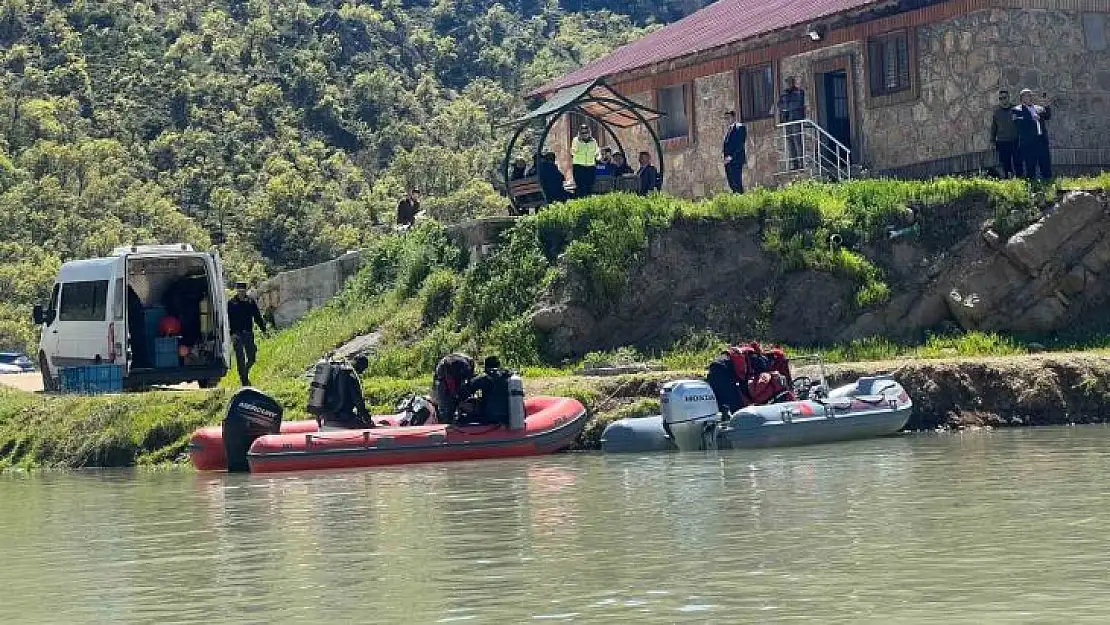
pixel 847 414
pixel 552 424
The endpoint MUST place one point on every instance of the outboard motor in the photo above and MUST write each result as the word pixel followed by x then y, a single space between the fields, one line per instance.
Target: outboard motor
pixel 251 414
pixel 690 414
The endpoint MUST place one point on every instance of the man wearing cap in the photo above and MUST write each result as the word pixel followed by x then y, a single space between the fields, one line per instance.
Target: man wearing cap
pixel 735 153
pixel 1032 130
pixel 242 314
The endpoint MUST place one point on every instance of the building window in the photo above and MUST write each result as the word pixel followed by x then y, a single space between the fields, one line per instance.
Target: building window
pixel 757 92
pixel 888 63
pixel 1094 31
pixel 84 301
pixel 674 103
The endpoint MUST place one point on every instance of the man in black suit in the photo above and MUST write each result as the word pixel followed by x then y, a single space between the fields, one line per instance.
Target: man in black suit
pixel 735 153
pixel 1031 121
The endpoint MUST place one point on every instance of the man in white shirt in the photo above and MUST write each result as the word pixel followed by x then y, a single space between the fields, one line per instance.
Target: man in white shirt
pixel 1031 121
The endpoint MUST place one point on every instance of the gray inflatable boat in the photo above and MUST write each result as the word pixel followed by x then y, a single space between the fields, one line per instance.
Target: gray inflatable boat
pixel 872 406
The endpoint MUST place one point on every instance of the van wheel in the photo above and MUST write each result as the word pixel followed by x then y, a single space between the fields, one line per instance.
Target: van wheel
pixel 50 384
pixel 208 383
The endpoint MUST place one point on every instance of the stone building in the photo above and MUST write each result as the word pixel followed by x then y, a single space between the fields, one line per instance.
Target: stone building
pixel 908 86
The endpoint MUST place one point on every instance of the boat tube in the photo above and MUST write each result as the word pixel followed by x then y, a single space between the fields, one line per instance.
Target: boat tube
pixel 871 406
pixel 551 425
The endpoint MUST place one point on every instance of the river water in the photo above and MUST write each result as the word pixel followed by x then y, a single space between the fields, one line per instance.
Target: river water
pixel 983 527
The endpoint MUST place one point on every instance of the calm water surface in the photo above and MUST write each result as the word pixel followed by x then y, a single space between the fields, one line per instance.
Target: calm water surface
pixel 990 527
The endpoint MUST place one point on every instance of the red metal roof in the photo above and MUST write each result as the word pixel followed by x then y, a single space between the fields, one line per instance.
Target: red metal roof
pixel 722 22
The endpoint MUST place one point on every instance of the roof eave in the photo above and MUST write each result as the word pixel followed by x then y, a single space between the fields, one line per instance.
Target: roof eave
pixel 850 16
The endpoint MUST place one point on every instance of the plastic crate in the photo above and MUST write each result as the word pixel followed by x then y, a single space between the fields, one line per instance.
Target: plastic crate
pixel 165 352
pixel 92 379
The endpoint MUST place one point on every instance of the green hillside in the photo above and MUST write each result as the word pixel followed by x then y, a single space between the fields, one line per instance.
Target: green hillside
pixel 282 131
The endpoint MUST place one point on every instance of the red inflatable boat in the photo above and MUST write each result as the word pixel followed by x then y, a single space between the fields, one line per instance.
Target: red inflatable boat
pixel 552 424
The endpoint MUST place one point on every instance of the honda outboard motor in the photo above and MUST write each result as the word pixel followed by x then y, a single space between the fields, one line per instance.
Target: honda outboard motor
pixel 251 414
pixel 690 414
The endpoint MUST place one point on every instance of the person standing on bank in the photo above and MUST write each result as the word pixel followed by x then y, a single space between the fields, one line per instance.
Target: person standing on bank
pixel 242 314
pixel 1004 136
pixel 585 154
pixel 1032 129
pixel 792 108
pixel 735 152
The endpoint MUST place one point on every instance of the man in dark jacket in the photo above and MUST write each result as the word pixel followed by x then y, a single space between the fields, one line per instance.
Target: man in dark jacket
pixel 242 314
pixel 735 152
pixel 493 403
pixel 1032 129
pixel 351 412
pixel 792 108
pixel 551 179
pixel 408 207
pixel 649 175
pixel 1004 136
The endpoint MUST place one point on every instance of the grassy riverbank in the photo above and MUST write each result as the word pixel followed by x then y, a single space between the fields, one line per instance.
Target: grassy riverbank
pixel 423 299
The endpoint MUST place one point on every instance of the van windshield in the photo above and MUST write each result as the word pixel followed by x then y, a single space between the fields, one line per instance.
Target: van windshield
pixel 84 301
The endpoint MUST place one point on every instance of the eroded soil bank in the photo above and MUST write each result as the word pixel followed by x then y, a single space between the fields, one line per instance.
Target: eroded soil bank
pixel 154 428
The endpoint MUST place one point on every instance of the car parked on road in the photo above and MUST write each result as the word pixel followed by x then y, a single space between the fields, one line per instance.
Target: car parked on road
pixel 15 362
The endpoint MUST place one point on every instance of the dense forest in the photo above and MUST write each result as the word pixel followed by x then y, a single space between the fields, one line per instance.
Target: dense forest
pixel 282 131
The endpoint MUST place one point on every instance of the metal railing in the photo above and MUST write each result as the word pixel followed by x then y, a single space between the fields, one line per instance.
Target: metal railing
pixel 807 147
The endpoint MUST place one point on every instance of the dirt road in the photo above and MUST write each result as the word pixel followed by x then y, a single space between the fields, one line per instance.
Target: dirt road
pixel 30 382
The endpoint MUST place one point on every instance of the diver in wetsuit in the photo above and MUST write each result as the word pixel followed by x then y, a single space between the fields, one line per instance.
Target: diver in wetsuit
pixel 492 385
pixel 350 410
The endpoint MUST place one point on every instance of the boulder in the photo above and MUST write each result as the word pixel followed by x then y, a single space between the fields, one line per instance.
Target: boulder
pixel 984 291
pixel 1036 245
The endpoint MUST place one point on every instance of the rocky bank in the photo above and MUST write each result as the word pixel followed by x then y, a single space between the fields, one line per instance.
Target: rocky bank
pixel 953 271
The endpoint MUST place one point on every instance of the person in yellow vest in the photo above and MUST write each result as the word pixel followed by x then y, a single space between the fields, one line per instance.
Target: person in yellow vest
pixel 585 154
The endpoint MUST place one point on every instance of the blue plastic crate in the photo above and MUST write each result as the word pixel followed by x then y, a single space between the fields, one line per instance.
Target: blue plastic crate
pixel 165 352
pixel 92 379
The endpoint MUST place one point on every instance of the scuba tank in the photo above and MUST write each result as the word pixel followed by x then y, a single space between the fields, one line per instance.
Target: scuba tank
pixel 516 403
pixel 318 388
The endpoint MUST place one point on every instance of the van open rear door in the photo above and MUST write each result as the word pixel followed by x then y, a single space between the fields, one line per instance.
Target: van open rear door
pixel 219 294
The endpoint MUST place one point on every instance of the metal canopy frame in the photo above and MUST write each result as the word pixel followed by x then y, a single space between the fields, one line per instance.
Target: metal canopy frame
pixel 595 100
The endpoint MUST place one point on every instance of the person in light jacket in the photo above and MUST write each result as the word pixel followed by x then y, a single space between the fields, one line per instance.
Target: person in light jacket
pixel 585 154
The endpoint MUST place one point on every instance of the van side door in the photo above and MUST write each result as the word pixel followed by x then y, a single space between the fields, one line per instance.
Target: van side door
pixel 82 323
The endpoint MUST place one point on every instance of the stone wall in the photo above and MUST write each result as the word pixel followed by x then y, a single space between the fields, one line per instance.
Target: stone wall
pixel 289 295
pixel 478 236
pixel 962 62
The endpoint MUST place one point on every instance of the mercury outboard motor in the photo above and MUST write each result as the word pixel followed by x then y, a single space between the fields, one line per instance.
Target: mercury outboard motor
pixel 251 414
pixel 690 414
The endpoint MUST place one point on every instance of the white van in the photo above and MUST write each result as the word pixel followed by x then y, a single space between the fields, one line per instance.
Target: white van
pixel 114 309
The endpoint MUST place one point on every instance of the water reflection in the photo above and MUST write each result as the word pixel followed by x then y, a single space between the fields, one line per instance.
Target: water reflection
pixel 981 527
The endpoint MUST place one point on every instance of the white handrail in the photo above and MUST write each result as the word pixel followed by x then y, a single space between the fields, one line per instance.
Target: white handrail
pixel 819 153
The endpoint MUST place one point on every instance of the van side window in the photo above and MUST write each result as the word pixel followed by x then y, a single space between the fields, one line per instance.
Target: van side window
pixel 53 305
pixel 119 300
pixel 84 301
